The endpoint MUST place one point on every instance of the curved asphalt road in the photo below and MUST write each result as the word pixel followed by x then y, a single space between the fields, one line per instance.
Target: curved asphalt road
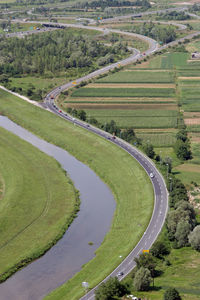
pixel 160 192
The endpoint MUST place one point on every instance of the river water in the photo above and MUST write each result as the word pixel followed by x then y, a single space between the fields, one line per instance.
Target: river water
pixel 64 259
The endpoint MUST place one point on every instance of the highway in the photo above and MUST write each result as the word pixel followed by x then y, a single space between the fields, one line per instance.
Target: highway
pixel 160 194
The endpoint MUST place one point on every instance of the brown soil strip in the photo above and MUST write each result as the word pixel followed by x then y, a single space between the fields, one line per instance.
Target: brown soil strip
pixel 149 70
pixel 156 130
pixel 192 60
pixel 192 115
pixel 189 78
pixel 188 168
pixel 194 121
pixel 131 85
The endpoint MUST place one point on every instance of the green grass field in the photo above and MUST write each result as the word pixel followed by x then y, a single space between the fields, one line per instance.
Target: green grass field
pixel 158 139
pixel 35 188
pixel 138 76
pixel 119 92
pixel 169 61
pixel 128 181
pixel 37 82
pixel 136 118
pixel 183 274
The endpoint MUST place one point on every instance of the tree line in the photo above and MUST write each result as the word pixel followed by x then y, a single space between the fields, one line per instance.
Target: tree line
pixel 174 15
pixel 112 3
pixel 165 34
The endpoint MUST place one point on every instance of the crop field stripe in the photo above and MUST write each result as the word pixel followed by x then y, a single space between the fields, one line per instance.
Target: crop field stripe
pixel 131 85
pixel 131 106
pixel 131 92
pixel 138 77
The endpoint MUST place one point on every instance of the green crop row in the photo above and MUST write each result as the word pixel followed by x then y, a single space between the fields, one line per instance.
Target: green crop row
pixel 119 92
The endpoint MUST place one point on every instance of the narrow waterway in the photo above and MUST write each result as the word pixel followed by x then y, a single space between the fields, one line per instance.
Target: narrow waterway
pixel 63 260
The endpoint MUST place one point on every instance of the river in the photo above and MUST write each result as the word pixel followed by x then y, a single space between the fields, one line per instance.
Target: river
pixel 64 259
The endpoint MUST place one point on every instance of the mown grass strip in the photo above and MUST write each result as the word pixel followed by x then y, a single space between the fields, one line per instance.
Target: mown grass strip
pixel 36 188
pixel 119 92
pixel 138 77
pixel 128 181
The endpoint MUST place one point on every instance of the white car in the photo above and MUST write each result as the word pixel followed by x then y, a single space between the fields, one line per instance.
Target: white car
pixel 151 175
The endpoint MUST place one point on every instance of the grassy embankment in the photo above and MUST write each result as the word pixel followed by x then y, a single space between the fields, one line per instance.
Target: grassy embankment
pixel 32 190
pixel 128 181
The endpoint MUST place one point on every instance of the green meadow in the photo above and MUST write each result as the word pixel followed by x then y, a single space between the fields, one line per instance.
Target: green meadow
pixel 33 188
pixel 129 183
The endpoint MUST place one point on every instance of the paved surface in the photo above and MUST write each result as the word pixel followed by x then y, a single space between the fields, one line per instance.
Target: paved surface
pixel 160 192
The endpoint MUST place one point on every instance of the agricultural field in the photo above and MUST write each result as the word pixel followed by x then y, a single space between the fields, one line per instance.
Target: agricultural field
pixel 133 97
pixel 136 118
pixel 119 92
pixel 139 76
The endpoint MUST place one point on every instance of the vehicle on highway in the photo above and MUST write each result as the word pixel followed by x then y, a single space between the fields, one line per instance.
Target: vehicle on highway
pixel 132 297
pixel 151 175
pixel 120 274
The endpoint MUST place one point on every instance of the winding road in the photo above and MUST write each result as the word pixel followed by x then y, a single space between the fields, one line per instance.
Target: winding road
pixel 160 190
pixel 160 194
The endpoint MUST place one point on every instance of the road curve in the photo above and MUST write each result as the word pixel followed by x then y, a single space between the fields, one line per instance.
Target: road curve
pixel 160 194
pixel 160 190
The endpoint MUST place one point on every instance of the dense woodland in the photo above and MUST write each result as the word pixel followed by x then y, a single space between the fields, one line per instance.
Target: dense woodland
pixel 165 34
pixel 173 15
pixel 113 3
pixel 54 52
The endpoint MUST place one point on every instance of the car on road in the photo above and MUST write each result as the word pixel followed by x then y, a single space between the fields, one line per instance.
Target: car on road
pixel 120 274
pixel 132 297
pixel 151 175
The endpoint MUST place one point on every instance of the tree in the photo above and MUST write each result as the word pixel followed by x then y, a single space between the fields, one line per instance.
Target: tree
pixel 182 231
pixel 182 150
pixel 142 279
pixel 194 238
pixel 112 287
pixel 171 294
pixel 148 149
pixel 178 193
pixel 159 249
pixel 184 212
pixel 182 135
pixel 147 261
pixel 82 115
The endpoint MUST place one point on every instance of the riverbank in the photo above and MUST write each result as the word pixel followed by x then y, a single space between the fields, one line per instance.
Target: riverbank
pixel 128 181
pixel 31 203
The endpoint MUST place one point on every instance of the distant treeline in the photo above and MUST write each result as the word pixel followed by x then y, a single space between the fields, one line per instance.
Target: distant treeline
pixel 113 3
pixel 174 15
pixel 165 34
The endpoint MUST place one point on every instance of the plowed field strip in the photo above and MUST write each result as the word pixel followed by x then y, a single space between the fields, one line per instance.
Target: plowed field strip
pixel 189 78
pixel 192 121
